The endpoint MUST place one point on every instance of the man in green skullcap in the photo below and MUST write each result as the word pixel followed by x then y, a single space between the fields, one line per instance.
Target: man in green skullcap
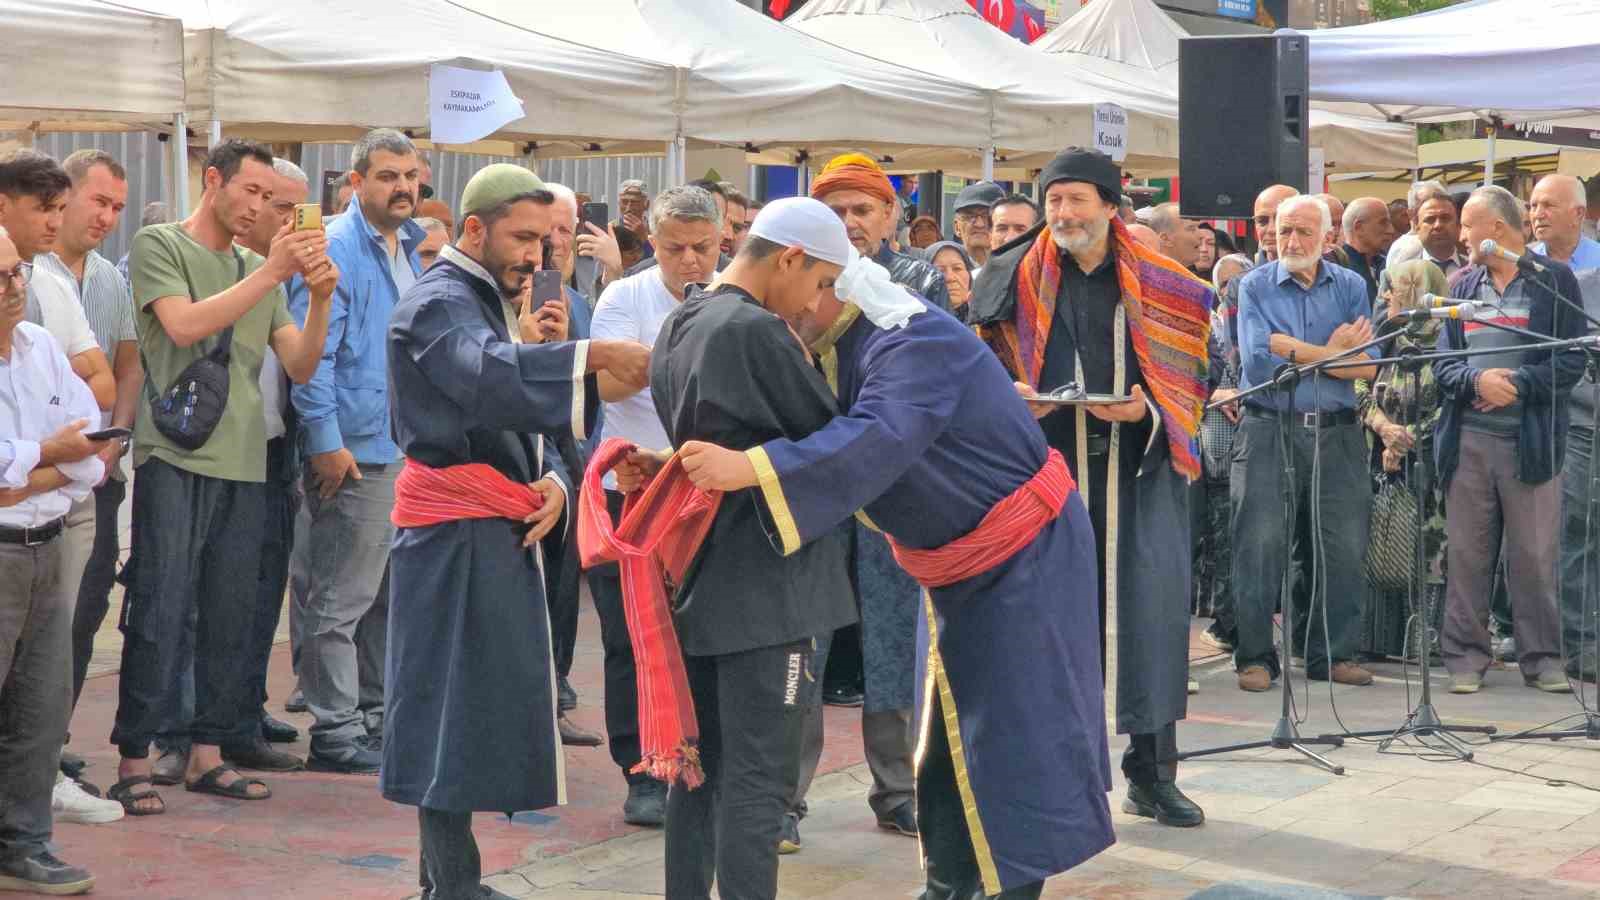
pixel 470 694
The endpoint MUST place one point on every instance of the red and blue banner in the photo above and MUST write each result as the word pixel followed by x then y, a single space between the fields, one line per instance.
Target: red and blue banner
pixel 1018 18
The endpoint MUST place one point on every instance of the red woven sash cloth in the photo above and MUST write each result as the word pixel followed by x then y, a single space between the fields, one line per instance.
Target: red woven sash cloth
pixel 1012 524
pixel 659 534
pixel 426 496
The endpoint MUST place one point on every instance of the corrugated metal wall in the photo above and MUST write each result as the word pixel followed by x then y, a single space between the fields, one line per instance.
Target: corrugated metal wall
pixel 139 152
pixel 598 177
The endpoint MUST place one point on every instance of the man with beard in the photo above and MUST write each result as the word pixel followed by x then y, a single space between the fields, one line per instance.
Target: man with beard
pixel 1300 309
pixel 861 195
pixel 1008 567
pixel 1081 302
pixel 471 694
pixel 343 533
pixel 197 512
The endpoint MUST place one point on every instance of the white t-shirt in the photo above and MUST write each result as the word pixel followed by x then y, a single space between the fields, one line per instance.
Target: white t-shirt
pixel 633 309
pixel 63 315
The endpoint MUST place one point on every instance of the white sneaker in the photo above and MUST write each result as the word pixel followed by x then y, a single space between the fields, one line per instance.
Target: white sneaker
pixel 71 803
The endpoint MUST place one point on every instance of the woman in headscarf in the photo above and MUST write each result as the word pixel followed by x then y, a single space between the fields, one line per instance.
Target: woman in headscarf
pixel 952 261
pixel 1399 409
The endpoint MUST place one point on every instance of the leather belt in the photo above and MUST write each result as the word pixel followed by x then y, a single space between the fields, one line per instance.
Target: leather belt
pixel 32 537
pixel 1307 419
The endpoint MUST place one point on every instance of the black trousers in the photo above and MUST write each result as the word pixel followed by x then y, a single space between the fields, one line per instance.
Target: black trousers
pixel 450 866
pixel 947 850
pixel 196 547
pixel 750 707
pixel 562 570
pixel 622 687
pixel 94 592
pixel 1140 761
pixel 281 505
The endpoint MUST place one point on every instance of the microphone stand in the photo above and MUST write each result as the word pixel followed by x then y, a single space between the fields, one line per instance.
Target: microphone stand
pixel 1286 734
pixel 1422 721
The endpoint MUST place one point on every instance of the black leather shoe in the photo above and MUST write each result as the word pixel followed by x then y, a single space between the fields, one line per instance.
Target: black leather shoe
pixel 1162 801
pixel 42 873
pixel 260 756
pixel 276 732
pixel 842 696
pixel 566 697
pixel 902 820
pixel 573 736
pixel 353 758
pixel 296 703
pixel 646 804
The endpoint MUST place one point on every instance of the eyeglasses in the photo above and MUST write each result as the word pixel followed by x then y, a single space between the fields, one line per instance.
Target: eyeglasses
pixel 20 273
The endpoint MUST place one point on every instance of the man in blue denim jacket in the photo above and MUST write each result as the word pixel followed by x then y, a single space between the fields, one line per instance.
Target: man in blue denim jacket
pixel 340 572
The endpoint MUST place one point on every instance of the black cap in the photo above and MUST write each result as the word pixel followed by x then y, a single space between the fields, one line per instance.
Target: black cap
pixel 984 194
pixel 1089 166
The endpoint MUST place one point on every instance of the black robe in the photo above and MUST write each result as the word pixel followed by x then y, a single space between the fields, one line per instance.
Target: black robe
pixel 470 719
pixel 727 371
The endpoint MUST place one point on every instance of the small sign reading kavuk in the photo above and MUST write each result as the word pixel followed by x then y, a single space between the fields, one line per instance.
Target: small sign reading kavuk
pixel 1111 130
pixel 466 105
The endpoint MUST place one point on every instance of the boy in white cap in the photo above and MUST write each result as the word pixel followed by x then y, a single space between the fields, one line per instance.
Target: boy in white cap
pixel 727 368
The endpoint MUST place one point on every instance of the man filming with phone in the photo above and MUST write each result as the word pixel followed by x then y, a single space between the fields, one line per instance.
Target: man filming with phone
pixel 341 558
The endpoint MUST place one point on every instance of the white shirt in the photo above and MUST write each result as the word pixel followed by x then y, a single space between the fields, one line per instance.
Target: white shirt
pixel 39 393
pixel 633 309
pixel 63 314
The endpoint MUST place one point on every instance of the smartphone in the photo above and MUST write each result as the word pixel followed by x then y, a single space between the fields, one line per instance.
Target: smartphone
pixel 108 434
pixel 546 287
pixel 597 213
pixel 307 217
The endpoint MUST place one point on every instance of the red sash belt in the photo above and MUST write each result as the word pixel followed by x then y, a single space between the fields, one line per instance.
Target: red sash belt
pixel 426 496
pixel 659 535
pixel 1012 524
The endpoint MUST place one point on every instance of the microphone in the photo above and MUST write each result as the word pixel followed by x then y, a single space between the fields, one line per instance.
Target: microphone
pixel 1490 248
pixel 1466 312
pixel 1438 301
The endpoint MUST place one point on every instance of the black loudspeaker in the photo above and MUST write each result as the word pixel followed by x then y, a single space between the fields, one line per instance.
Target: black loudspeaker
pixel 1243 120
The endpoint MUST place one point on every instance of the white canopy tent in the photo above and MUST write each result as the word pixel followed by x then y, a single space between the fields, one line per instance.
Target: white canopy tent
pixel 1136 40
pixel 1477 59
pixel 1040 104
pixel 88 66
pixel 744 79
pixel 85 65
pixel 301 70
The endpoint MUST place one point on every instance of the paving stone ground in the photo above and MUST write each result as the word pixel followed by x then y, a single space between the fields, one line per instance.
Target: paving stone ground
pixel 1522 819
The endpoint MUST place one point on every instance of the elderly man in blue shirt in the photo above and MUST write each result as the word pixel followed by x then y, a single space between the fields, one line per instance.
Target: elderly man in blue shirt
pixel 1299 309
pixel 1558 209
pixel 341 560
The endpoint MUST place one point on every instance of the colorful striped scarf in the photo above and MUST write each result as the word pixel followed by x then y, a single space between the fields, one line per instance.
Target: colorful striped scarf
pixel 1169 319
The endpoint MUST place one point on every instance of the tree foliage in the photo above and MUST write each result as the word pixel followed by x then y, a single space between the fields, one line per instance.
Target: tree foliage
pixel 1394 9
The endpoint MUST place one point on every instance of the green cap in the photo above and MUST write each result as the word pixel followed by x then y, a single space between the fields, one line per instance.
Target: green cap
pixel 494 185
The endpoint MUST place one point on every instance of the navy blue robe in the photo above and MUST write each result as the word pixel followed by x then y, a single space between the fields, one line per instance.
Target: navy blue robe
pixel 934 437
pixel 470 719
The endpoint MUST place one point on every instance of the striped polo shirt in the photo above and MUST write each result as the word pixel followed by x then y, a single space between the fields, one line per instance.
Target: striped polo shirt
pixel 107 300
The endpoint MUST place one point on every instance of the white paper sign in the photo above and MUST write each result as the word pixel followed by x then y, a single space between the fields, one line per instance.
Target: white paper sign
pixel 466 105
pixel 1317 158
pixel 1111 130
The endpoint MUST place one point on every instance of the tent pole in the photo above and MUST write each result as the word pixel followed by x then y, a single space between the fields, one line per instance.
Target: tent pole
pixel 214 133
pixel 988 163
pixel 180 167
pixel 1488 162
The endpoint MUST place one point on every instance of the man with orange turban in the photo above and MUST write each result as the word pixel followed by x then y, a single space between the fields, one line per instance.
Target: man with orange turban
pixel 860 194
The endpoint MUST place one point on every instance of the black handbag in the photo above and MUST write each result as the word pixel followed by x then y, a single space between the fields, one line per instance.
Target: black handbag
pixel 1392 543
pixel 188 411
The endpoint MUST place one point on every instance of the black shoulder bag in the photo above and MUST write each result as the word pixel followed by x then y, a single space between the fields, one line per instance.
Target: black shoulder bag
pixel 190 408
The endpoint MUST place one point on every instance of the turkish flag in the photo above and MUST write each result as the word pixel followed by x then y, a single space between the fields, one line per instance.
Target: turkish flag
pixel 779 8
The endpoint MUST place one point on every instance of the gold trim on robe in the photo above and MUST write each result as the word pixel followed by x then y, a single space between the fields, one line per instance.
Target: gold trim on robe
pixel 958 759
pixel 772 490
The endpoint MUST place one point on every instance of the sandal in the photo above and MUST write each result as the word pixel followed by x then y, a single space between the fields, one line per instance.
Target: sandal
pixel 210 783
pixel 123 792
